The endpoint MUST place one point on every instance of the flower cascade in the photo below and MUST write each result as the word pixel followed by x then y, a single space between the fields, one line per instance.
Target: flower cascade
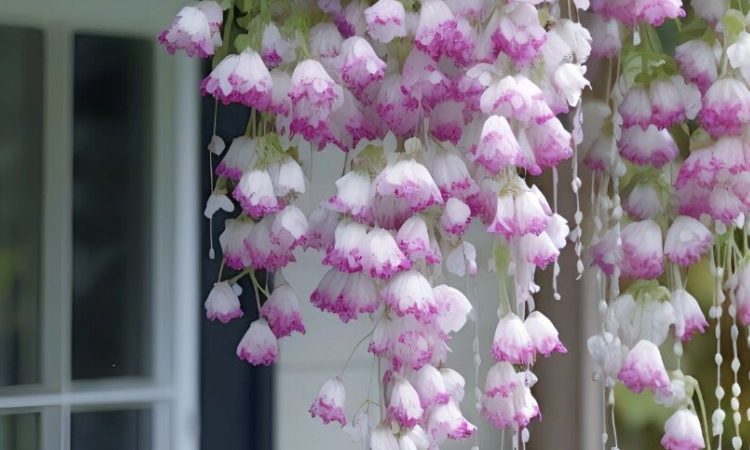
pixel 444 111
pixel 668 150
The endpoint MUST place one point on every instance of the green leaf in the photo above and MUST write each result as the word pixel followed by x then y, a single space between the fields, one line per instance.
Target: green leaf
pixel 734 24
pixel 241 42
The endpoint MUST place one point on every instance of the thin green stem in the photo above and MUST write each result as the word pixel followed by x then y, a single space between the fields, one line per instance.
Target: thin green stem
pixel 703 413
pixel 354 350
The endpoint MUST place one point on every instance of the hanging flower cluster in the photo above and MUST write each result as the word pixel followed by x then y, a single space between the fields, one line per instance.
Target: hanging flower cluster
pixel 443 108
pixel 671 175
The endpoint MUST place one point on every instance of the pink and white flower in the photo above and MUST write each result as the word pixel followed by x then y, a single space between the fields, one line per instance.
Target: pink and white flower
pixel 518 32
pixel 689 319
pixel 255 194
pixel 274 48
pixel 512 342
pixel 346 254
pixel 409 293
pixel 289 228
pixel 497 147
pixel 237 159
pixel 351 21
pixel 381 256
pixel 436 28
pixel 502 380
pixel 516 97
pixel 726 107
pixel 281 310
pixel 569 81
pixel 325 41
pixel 447 121
pixel 409 181
pixel 605 37
pixel 232 241
pixel 636 108
pixel 222 303
pixel 550 143
pixel 242 78
pixel 404 406
pixel 645 201
pixel 462 260
pixel 673 101
pixel 642 247
pixel 330 402
pixel 647 146
pixel 543 334
pixel 453 308
pixel 386 20
pixel 430 386
pixel 195 29
pixel 322 228
pixel 287 177
pixel 452 176
pixel 447 422
pixel 395 108
pixel 643 368
pixel 688 240
pixel 314 96
pixel 413 239
pixel 697 62
pixel 259 345
pixel 655 12
pixel 353 196
pixel 360 65
pixel 682 431
pixel 455 217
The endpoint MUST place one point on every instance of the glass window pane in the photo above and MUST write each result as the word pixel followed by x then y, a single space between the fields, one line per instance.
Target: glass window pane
pixel 111 207
pixel 21 141
pixel 19 432
pixel 111 430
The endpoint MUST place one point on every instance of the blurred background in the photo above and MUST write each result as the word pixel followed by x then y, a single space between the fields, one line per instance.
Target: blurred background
pixel 104 266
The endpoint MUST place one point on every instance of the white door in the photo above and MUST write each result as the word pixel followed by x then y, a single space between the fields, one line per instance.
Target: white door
pixel 98 229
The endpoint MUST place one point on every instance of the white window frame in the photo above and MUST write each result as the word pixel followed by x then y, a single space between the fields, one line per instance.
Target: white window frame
pixel 172 390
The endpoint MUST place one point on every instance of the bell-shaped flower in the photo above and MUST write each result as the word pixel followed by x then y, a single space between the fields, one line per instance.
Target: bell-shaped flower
pixel 255 193
pixel 605 37
pixel 429 384
pixel 642 248
pixel 455 217
pixel 516 97
pixel 655 12
pixel 289 228
pixel 688 240
pixel 266 250
pixel 281 310
pixel 413 239
pixel 321 230
pixel 537 249
pixel 314 96
pixel 682 431
pixel 644 318
pixel 452 176
pixel 386 20
pixel 195 29
pixel 381 257
pixel 330 403
pixel 643 368
pixel 512 342
pixel 353 196
pixel 222 303
pixel 550 143
pixel 410 182
pixel 543 334
pixel 453 308
pixel 497 147
pixel 404 406
pixel 360 65
pixel 689 319
pixel 447 121
pixel 635 108
pixel 645 201
pixel 649 146
pixel 259 346
pixel 242 78
pixel 502 380
pixel 410 293
pixel 232 242
pixel 517 32
pixel 346 254
pixel 325 41
pixel 726 107
pixel 274 48
pixel 436 28
pixel 447 422
pixel 423 80
pixel 287 177
pixel 454 383
pixel 697 62
pixel 237 159
pixel 673 101
pixel 351 20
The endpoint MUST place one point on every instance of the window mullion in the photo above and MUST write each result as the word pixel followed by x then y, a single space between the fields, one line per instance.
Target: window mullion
pixel 57 224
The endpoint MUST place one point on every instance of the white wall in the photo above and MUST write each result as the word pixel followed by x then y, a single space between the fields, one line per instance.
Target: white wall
pixel 307 361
